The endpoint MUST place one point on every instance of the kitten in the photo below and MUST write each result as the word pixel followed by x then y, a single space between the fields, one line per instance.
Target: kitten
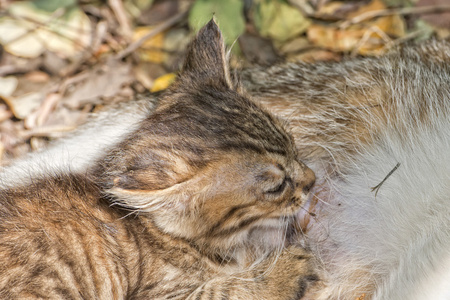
pixel 197 202
pixel 376 132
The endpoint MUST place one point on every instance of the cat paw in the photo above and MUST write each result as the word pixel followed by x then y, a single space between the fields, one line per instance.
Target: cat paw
pixel 293 273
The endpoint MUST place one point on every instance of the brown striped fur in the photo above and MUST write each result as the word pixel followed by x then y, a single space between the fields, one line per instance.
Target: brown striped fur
pixel 197 203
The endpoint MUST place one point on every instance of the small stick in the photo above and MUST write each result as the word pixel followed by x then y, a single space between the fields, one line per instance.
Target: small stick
pixel 377 187
pixel 396 11
pixel 158 29
pixel 118 9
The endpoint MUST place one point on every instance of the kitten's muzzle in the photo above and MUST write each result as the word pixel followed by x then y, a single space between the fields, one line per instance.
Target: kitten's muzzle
pixel 307 181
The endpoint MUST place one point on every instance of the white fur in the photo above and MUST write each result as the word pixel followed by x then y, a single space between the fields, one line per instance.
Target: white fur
pixel 401 234
pixel 77 152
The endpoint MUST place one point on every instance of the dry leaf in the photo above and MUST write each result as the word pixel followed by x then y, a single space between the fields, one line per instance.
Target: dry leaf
pixel 5 113
pixel 37 76
pixel 175 44
pixel 367 38
pixel 258 50
pixel 314 55
pixel 143 77
pixel 295 45
pixel 18 38
pixel 30 30
pixel 151 49
pixel 104 81
pixel 8 85
pixel 279 21
pixel 24 105
pixel 163 82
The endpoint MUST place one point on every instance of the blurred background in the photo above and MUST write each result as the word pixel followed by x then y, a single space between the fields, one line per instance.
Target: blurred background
pixel 61 59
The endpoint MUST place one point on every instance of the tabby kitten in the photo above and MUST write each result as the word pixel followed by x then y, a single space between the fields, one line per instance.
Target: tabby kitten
pixel 376 132
pixel 196 203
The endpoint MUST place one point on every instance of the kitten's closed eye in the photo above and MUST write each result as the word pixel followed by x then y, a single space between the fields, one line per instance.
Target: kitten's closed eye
pixel 279 188
pixel 275 180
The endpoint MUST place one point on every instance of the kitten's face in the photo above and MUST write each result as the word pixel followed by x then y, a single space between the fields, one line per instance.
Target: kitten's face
pixel 247 194
pixel 209 164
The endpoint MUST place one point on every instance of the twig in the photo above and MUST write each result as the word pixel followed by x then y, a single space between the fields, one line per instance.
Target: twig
pixel 158 29
pixel 377 187
pixel 396 11
pixel 119 11
pixel 47 131
pixel 404 39
pixel 55 15
pixel 367 34
pixel 44 26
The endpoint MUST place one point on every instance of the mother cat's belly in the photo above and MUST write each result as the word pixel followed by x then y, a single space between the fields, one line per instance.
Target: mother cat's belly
pixel 386 243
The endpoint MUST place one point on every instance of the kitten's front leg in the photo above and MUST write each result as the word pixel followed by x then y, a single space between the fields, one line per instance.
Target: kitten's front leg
pixel 279 277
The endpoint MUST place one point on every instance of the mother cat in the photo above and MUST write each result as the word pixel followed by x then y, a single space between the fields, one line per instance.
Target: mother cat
pixel 196 202
pixel 376 132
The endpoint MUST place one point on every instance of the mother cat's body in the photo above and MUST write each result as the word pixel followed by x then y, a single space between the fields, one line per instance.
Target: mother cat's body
pixel 376 132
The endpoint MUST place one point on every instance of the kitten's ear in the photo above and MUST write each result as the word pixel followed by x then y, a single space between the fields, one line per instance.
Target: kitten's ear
pixel 206 57
pixel 175 197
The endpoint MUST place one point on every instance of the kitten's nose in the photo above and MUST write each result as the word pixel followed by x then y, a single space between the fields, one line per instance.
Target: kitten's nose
pixel 308 179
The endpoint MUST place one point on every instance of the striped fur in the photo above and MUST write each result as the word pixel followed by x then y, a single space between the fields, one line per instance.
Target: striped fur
pixel 197 201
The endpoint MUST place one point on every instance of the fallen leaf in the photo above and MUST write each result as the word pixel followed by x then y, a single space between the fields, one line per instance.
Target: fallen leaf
pixel 258 50
pixel 53 63
pixel 163 82
pixel 5 113
pixel 22 106
pixel 278 20
pixel 228 14
pixel 8 85
pixel 30 30
pixel 37 76
pixel 143 77
pixel 373 5
pixel 103 81
pixel 52 5
pixel 295 45
pixel 175 44
pixel 314 55
pixel 367 38
pixel 12 64
pixel 151 49
pixel 426 30
pixel 70 36
pixel 18 38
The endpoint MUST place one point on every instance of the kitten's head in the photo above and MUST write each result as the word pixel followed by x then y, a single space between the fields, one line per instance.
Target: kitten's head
pixel 209 165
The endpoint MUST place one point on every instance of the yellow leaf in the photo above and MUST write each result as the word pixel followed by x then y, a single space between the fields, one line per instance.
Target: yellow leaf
pixel 151 49
pixel 163 82
pixel 371 6
pixel 367 38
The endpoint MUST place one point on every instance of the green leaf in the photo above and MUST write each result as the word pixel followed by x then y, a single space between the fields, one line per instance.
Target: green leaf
pixel 52 5
pixel 228 14
pixel 278 20
pixel 426 30
pixel 399 3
